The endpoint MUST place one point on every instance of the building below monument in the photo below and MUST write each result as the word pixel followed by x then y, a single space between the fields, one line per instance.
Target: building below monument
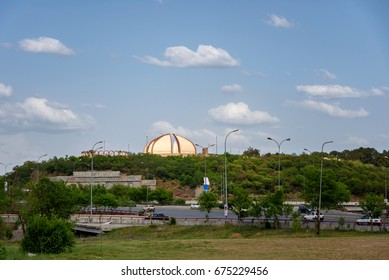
pixel 106 178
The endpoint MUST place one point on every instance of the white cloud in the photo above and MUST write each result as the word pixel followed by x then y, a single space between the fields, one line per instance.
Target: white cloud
pixel 162 127
pixel 234 88
pixel 6 45
pixel 38 114
pixel 330 91
pixel 5 90
pixel 45 45
pixel 378 91
pixel 254 73
pixel 240 113
pixel 204 56
pixel 325 74
pixel 279 21
pixel 332 110
pixel 355 140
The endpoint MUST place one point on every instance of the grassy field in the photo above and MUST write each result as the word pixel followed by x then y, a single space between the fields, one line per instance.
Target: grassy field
pixel 218 243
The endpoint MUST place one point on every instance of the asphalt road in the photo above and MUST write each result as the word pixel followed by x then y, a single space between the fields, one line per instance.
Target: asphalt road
pixel 331 216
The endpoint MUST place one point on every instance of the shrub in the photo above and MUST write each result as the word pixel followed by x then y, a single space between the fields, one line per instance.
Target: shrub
pixel 179 201
pixel 44 235
pixel 3 252
pixel 296 219
pixel 172 221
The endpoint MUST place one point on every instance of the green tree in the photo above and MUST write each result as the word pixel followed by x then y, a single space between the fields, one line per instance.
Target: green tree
pixel 251 152
pixel 241 202
pixel 50 236
pixel 163 196
pixel 52 198
pixel 207 201
pixel 333 193
pixel 274 205
pixel 372 204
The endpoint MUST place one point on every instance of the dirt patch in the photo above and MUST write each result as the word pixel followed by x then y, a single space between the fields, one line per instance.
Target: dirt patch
pixel 236 235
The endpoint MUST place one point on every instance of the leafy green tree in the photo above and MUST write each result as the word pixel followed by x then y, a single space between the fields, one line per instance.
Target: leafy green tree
pixel 372 204
pixel 256 209
pixel 274 205
pixel 162 195
pixel 241 202
pixel 251 152
pixel 333 193
pixel 207 201
pixel 107 200
pixel 50 236
pixel 52 198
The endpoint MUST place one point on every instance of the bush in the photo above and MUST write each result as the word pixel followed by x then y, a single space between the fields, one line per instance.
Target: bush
pixel 172 221
pixel 50 236
pixel 296 221
pixel 179 201
pixel 3 252
pixel 2 228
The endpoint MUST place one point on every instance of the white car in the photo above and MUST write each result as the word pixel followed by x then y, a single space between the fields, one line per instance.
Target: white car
pixel 366 220
pixel 195 205
pixel 149 208
pixel 312 216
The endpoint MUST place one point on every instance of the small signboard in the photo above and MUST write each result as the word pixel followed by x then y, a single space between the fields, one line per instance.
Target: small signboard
pixel 206 184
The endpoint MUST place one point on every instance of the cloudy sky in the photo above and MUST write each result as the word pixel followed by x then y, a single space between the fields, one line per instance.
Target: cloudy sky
pixel 76 72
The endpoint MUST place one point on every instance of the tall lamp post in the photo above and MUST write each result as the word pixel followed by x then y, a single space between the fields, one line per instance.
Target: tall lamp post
pixel 386 191
pixel 91 175
pixel 225 173
pixel 37 166
pixel 204 152
pixel 5 173
pixel 321 182
pixel 279 157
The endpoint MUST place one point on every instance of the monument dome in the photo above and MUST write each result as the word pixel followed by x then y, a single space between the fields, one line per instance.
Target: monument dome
pixel 170 145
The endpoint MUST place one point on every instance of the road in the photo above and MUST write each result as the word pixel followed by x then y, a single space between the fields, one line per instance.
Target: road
pixel 331 216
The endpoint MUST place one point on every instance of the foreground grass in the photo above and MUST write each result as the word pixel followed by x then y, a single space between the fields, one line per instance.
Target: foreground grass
pixel 218 243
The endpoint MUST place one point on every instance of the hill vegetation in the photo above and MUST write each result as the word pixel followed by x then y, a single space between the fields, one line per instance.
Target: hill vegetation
pixel 361 171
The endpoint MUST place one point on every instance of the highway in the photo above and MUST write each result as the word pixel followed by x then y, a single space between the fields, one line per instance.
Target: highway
pixel 331 216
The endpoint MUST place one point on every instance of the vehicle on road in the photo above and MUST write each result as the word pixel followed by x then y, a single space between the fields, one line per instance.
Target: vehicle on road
pixel 149 208
pixel 367 220
pixel 312 216
pixel 305 209
pixel 157 216
pixel 195 205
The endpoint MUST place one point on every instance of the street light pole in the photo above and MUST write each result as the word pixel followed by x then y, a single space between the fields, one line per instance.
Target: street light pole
pixel 279 157
pixel 204 152
pixel 37 166
pixel 321 182
pixel 386 192
pixel 225 173
pixel 91 175
pixel 5 173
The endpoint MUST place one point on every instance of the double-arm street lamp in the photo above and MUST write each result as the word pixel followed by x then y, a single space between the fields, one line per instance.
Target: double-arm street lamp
pixel 225 173
pixel 321 182
pixel 5 174
pixel 91 175
pixel 204 152
pixel 279 157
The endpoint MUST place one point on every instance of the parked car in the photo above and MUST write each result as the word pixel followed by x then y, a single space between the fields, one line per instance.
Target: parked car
pixel 149 208
pixel 157 216
pixel 367 220
pixel 304 209
pixel 195 205
pixel 312 216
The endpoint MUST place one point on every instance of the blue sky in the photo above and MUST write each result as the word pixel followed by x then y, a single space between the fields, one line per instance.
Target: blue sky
pixel 76 72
